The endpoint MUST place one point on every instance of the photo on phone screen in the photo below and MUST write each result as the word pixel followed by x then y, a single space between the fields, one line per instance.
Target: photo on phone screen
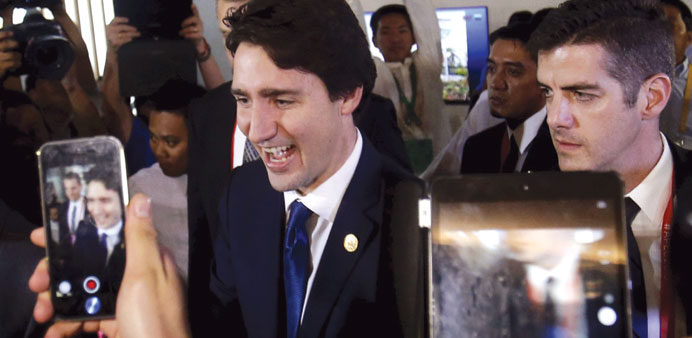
pixel 85 181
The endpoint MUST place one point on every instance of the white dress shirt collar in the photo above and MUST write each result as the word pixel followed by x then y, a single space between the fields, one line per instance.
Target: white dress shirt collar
pixel 114 230
pixel 682 67
pixel 527 131
pixel 325 199
pixel 648 194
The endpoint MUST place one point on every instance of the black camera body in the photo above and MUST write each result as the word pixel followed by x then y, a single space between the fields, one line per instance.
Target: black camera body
pixel 46 53
pixel 29 3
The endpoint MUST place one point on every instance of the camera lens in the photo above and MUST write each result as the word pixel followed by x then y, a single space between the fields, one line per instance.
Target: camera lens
pixel 47 55
pixel 50 56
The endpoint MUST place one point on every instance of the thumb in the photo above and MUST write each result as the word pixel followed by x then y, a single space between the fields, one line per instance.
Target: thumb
pixel 140 236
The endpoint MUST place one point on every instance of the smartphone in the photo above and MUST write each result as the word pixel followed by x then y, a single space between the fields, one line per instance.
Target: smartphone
pixel 84 194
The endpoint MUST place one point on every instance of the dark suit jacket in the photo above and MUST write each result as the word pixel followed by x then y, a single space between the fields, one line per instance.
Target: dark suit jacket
pixel 90 257
pixel 680 243
pixel 482 152
pixel 63 224
pixel 681 238
pixel 18 258
pixel 211 124
pixel 353 294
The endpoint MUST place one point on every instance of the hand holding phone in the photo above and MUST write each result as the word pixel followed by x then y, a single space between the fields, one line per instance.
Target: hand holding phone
pixel 150 302
pixel 84 227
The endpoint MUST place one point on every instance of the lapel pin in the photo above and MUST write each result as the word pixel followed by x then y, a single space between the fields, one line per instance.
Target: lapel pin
pixel 351 243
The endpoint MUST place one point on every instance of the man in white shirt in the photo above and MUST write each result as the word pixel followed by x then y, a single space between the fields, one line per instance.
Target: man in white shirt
pixel 73 211
pixel 523 142
pixel 412 80
pixel 604 93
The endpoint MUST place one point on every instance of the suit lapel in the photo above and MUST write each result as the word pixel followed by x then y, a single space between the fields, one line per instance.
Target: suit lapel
pixel 359 214
pixel 541 153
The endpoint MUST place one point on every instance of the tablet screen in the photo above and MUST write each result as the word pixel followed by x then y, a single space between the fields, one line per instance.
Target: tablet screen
pixel 537 255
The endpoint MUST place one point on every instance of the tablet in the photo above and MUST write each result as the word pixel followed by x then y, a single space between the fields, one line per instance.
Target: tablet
pixel 528 255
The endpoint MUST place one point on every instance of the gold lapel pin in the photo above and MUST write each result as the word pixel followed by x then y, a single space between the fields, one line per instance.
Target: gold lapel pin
pixel 351 243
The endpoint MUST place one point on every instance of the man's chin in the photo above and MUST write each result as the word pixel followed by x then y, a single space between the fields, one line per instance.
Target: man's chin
pixel 495 114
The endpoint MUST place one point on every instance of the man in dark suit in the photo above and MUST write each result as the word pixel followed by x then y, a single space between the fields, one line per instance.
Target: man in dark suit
pixel 605 90
pixel 99 249
pixel 216 147
pixel 303 247
pixel 72 211
pixel 522 143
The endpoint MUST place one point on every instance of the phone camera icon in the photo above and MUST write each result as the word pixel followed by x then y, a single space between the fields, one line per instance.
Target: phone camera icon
pixel 64 288
pixel 92 305
pixel 91 284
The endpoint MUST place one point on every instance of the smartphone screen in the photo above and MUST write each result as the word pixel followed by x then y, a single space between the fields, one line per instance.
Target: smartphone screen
pixel 84 197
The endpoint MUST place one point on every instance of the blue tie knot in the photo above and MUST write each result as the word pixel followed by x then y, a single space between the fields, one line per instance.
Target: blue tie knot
pixel 296 260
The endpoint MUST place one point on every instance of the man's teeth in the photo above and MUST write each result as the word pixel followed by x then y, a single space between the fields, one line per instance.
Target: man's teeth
pixel 278 154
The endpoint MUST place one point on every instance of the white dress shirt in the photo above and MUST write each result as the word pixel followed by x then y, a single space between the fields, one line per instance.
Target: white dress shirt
pixel 75 209
pixel 324 202
pixel 525 133
pixel 113 238
pixel 652 196
pixel 238 146
pixel 169 206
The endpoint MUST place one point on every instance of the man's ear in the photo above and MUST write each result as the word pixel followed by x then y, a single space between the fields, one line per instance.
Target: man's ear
pixel 657 90
pixel 351 101
pixel 688 38
pixel 374 40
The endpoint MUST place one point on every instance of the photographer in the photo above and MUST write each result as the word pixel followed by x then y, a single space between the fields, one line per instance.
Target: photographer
pixel 119 120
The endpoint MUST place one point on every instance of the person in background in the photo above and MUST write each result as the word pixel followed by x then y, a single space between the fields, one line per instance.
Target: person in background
pixel 675 122
pixel 412 80
pixel 479 119
pixel 72 211
pixel 523 142
pixel 132 131
pixel 165 182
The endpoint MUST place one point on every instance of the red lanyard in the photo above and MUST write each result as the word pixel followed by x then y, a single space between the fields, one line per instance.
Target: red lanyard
pixel 667 301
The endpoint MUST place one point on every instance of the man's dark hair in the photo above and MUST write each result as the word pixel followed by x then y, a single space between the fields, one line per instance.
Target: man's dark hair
pixel 322 37
pixel 635 36
pixel 520 32
pixel 104 174
pixel 175 96
pixel 109 177
pixel 72 176
pixel 389 9
pixel 519 16
pixel 540 15
pixel 685 12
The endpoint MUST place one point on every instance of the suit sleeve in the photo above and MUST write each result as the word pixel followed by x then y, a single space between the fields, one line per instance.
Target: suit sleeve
pixel 199 251
pixel 225 308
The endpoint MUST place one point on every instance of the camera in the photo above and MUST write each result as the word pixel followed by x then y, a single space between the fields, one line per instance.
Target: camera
pixel 28 3
pixel 46 53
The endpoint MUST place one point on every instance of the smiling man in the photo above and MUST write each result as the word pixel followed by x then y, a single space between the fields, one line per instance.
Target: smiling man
pixel 99 249
pixel 522 143
pixel 304 245
pixel 604 66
